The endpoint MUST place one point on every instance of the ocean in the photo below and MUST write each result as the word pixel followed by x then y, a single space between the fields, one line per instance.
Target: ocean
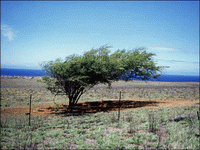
pixel 22 72
pixel 38 73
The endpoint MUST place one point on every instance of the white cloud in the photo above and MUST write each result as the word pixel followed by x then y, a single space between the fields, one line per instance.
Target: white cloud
pixel 163 48
pixel 7 32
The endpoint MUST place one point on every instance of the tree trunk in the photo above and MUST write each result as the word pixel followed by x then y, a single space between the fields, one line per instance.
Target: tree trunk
pixel 73 100
pixel 74 96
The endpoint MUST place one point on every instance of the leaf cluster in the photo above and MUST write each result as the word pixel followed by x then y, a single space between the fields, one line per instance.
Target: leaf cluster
pixel 135 63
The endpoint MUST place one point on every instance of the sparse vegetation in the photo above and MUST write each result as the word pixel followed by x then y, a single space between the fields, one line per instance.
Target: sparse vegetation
pixel 137 129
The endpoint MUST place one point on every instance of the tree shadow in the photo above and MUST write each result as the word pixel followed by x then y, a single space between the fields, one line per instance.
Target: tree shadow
pixel 85 108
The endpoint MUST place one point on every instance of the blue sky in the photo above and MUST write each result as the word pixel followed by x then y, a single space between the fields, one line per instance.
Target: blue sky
pixel 37 31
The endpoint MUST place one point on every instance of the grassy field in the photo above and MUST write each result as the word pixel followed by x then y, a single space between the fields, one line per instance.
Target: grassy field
pixel 137 128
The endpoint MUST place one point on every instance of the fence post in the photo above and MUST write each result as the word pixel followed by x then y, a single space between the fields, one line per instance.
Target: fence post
pixel 119 105
pixel 30 111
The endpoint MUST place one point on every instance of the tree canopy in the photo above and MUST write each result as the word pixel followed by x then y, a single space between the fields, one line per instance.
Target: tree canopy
pixel 78 73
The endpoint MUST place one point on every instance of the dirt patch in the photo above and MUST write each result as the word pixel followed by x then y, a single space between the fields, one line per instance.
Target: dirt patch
pixel 94 107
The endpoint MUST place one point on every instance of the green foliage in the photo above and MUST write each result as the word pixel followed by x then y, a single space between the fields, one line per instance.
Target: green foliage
pixel 50 83
pixel 135 63
pixel 137 139
pixel 48 80
pixel 54 133
pixel 76 74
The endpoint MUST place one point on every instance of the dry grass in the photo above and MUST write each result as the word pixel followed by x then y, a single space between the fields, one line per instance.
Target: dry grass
pixel 137 128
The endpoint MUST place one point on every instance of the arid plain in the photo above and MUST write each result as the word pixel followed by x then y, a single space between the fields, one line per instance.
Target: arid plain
pixel 146 119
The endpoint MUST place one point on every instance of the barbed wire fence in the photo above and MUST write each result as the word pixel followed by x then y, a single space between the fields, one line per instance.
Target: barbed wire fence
pixel 117 93
pixel 31 96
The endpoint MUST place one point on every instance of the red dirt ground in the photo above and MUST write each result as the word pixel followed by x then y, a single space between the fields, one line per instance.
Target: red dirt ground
pixel 99 106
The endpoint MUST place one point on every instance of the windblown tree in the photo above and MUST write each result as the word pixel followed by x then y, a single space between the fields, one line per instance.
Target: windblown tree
pixel 136 64
pixel 77 74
